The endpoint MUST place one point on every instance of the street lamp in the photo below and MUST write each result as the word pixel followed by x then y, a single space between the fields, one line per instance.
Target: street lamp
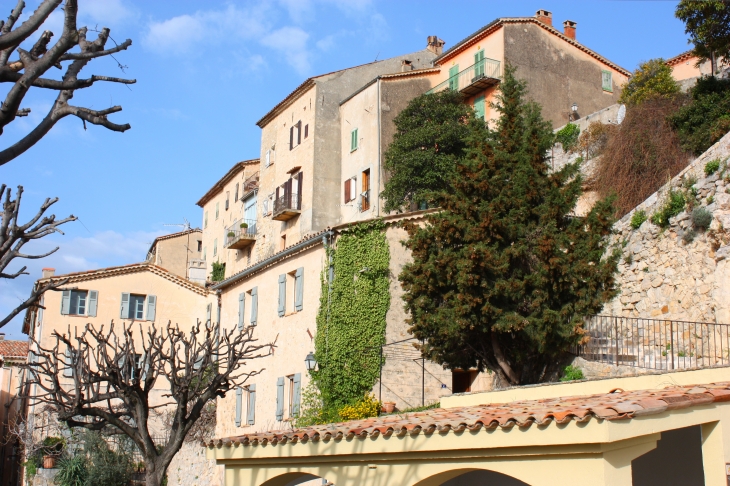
pixel 574 110
pixel 310 362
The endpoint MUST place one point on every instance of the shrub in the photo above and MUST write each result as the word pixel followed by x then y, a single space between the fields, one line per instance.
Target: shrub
pixel 652 79
pixel 568 136
pixel 571 373
pixel 367 407
pixel 108 466
pixel 72 471
pixel 673 205
pixel 710 199
pixel 712 166
pixel 701 218
pixel 706 118
pixel 592 141
pixel 219 272
pixel 689 235
pixel 638 218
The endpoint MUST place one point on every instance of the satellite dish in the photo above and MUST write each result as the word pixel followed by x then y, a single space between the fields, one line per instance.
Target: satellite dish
pixel 621 114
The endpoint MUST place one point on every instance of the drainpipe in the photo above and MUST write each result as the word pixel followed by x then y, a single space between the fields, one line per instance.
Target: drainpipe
pixel 380 152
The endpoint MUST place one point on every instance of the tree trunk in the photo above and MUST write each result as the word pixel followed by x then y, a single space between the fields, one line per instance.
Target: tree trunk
pixel 509 373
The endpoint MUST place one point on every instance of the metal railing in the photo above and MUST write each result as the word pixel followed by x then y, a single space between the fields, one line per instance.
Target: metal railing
pixel 288 201
pixel 251 183
pixel 486 68
pixel 239 229
pixel 654 343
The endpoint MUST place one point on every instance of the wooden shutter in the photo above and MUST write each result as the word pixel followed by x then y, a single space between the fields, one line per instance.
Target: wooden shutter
pixel 300 178
pixel 151 307
pixel 299 132
pixel 291 137
pixel 299 289
pixel 282 295
pixel 254 305
pixel 68 370
pixel 208 309
pixel 268 158
pixel 347 190
pixel 241 308
pixel 479 107
pixel 239 405
pixel 297 394
pixel 93 299
pixel 124 313
pixel 251 404
pixel 280 398
pixel 66 302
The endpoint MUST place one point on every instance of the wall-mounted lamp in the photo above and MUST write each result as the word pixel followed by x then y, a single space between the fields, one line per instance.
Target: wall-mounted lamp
pixel 310 362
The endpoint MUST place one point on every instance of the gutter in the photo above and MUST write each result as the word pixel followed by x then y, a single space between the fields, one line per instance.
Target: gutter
pixel 321 238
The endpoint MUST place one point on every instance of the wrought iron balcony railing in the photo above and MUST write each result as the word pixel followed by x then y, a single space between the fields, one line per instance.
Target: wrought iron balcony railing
pixel 473 79
pixel 286 207
pixel 241 234
pixel 250 184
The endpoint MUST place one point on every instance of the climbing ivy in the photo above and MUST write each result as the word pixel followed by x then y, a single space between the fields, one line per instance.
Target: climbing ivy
pixel 351 319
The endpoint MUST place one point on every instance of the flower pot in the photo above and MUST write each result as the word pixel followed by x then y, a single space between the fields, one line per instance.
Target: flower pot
pixel 244 225
pixel 388 407
pixel 231 234
pixel 49 462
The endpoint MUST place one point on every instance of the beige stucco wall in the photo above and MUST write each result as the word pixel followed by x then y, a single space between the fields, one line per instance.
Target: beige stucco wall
pixel 173 254
pixel 688 69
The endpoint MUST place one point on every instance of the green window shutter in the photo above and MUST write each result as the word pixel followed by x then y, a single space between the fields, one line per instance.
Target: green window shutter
pixel 93 300
pixel 607 81
pixel 254 305
pixel 124 312
pixel 151 307
pixel 66 302
pixel 297 394
pixel 208 312
pixel 282 295
pixel 353 140
pixel 241 309
pixel 251 404
pixel 68 370
pixel 239 405
pixel 280 398
pixel 453 78
pixel 479 64
pixel 299 289
pixel 479 107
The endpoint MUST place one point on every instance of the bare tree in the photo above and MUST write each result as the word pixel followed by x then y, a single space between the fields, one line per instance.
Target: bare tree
pixel 27 70
pixel 14 235
pixel 112 375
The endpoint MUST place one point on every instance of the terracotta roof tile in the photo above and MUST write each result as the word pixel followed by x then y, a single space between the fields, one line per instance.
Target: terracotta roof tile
pixel 14 349
pixel 619 405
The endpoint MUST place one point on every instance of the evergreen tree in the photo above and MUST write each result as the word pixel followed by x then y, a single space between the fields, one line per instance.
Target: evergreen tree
pixel 429 137
pixel 708 24
pixel 502 277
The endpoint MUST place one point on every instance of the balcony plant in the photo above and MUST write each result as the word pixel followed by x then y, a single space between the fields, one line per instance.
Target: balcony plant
pixel 231 234
pixel 52 448
pixel 244 225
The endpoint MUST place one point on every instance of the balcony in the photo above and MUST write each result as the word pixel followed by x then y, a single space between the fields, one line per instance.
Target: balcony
pixel 250 184
pixel 286 207
pixel 474 79
pixel 241 234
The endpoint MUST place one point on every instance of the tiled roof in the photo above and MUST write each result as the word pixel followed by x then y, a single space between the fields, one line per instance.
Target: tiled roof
pixel 617 405
pixel 685 56
pixel 498 23
pixel 218 186
pixel 13 349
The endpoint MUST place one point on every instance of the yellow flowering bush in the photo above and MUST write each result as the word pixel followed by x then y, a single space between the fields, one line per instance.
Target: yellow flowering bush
pixel 367 407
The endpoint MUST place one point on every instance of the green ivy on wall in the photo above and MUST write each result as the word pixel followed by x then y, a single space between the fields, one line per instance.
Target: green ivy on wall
pixel 351 319
pixel 219 272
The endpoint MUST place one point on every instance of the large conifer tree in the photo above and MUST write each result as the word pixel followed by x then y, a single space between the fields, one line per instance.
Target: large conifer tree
pixel 502 277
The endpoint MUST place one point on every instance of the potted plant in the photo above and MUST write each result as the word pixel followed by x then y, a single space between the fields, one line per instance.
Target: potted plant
pixel 231 234
pixel 52 447
pixel 388 407
pixel 244 225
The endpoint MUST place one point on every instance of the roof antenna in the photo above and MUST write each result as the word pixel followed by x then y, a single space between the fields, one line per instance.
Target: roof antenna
pixel 376 57
pixel 185 225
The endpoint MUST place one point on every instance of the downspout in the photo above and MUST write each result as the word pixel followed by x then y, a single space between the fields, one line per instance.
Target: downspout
pixel 380 152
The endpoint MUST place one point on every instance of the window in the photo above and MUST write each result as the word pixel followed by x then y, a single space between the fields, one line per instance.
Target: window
pixel 228 196
pixel 295 281
pixel 217 210
pixel 267 159
pixel 79 302
pixel 138 307
pixel 215 247
pixel 365 195
pixel 131 367
pixel 295 135
pixel 306 131
pixel 350 189
pixel 479 64
pixel 353 140
pixel 200 246
pixel 453 77
pixel 205 220
pixel 247 393
pixel 292 386
pixel 235 197
pixel 479 107
pixel 607 81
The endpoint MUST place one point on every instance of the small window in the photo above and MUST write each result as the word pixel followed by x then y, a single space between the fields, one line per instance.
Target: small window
pixel 228 196
pixel 353 140
pixel 215 247
pixel 217 210
pixel 129 370
pixel 200 246
pixel 235 197
pixel 306 130
pixel 136 307
pixel 365 194
pixel 79 300
pixel 267 159
pixel 295 135
pixel 607 81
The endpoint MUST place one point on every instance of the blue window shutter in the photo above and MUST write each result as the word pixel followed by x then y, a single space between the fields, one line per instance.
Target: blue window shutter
pixel 151 305
pixel 124 314
pixel 93 299
pixel 299 290
pixel 251 404
pixel 254 305
pixel 282 294
pixel 280 398
pixel 68 370
pixel 207 313
pixel 239 405
pixel 145 366
pixel 297 394
pixel 241 309
pixel 66 302
pixel 479 107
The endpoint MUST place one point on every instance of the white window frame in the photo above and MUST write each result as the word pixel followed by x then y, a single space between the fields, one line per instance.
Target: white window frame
pixel 74 312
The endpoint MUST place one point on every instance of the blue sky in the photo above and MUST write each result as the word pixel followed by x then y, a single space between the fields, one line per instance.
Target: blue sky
pixel 207 71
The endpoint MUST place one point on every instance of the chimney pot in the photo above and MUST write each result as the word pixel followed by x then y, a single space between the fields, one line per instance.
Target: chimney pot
pixel 569 28
pixel 406 66
pixel 48 272
pixel 545 17
pixel 2 336
pixel 435 45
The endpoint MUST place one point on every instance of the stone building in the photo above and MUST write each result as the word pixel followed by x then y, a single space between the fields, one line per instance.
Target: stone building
pixel 180 253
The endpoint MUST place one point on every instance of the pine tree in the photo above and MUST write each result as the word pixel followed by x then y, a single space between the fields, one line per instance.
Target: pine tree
pixel 429 137
pixel 502 277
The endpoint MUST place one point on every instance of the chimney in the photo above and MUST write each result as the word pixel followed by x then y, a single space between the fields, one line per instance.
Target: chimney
pixel 2 336
pixel 569 28
pixel 406 66
pixel 49 272
pixel 545 17
pixel 435 45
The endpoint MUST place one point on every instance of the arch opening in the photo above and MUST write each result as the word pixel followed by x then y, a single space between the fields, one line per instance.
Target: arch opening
pixel 471 477
pixel 295 479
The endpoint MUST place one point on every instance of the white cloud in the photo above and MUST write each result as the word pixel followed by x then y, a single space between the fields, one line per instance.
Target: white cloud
pixel 106 12
pixel 292 43
pixel 326 43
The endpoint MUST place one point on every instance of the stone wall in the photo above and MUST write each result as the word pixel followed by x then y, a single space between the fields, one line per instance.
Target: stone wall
pixel 191 468
pixel 667 274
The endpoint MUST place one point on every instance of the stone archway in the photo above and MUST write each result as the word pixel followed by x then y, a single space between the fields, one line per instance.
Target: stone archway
pixel 470 477
pixel 294 479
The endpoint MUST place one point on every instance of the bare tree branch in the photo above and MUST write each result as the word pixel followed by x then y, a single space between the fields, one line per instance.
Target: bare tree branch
pixel 13 38
pixel 110 373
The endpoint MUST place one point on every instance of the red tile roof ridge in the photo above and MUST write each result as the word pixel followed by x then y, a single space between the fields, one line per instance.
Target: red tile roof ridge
pixel 623 405
pixel 13 349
